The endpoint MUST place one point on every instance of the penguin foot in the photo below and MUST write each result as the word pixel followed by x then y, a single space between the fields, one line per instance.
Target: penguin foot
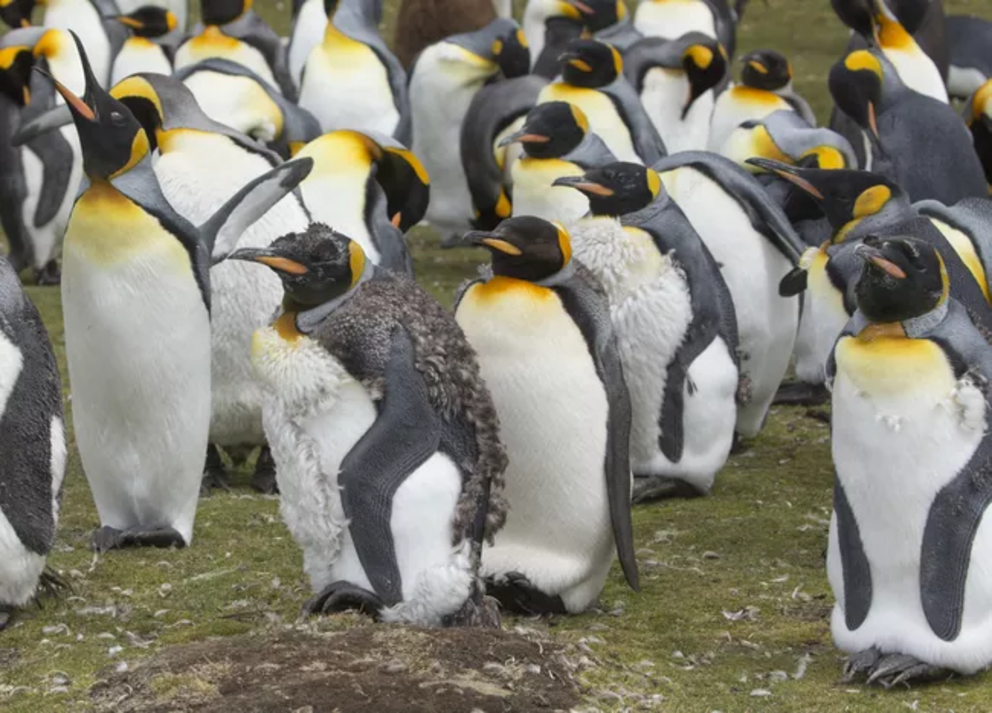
pixel 658 487
pixel 50 274
pixel 342 596
pixel 264 478
pixel 51 584
pixel 799 393
pixel 482 613
pixel 214 475
pixel 515 593
pixel 890 670
pixel 110 538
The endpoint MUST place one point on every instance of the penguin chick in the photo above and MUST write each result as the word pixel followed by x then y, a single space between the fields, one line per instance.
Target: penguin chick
pixel 32 437
pixel 969 39
pixel 674 79
pixel 557 142
pixel 352 80
pixel 541 329
pixel 385 437
pixel 978 116
pixel 675 324
pixel 910 402
pixel 139 53
pixel 443 82
pixel 592 79
pixel 370 186
pixel 899 123
pixel 422 23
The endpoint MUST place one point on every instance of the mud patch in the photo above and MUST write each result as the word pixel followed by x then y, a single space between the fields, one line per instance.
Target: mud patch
pixel 369 668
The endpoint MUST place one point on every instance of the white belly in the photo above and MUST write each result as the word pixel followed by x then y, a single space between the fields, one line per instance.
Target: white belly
pixel 664 94
pixel 752 268
pixel 822 321
pixel 19 567
pixel 534 194
pixel 198 49
pixel 918 72
pixel 671 20
pixel 308 31
pixel 82 18
pixel 902 429
pixel 139 55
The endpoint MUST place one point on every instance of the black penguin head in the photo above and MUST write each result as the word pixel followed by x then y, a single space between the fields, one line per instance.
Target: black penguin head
pixel 617 188
pixel 859 15
pixel 599 14
pixel 331 7
pixel 149 21
pixel 512 53
pixel 15 73
pixel 909 13
pixel 221 12
pixel 525 248
pixel 590 64
pixel 902 278
pixel 856 86
pixel 766 69
pixel 16 13
pixel 315 266
pixel 705 64
pixel 111 139
pixel 551 130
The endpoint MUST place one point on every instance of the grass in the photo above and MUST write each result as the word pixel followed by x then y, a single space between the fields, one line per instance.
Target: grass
pixel 733 613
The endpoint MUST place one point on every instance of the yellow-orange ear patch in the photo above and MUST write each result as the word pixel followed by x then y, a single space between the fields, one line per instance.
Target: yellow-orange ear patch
pixel 871 201
pixel 564 243
pixel 503 246
pixel 356 260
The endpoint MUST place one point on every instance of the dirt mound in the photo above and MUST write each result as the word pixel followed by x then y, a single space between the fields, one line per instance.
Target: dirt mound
pixel 370 668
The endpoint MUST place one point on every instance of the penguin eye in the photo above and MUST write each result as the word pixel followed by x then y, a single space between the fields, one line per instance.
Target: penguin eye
pixel 116 118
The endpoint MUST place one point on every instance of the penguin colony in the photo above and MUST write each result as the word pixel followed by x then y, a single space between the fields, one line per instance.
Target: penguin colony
pixel 227 213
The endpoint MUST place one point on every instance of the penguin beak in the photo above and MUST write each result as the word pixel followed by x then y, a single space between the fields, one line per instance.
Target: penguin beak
pixel 573 59
pixel 129 22
pixel 790 173
pixel 76 105
pixel 871 254
pixel 492 241
pixel 270 258
pixel 523 137
pixel 872 119
pixel 581 183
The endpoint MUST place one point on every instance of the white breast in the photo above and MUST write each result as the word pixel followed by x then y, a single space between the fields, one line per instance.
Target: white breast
pixel 534 194
pixel 737 105
pixel 604 119
pixel 664 94
pixel 82 17
pixel 822 321
pixel 671 20
pixel 917 71
pixel 198 49
pixel 139 55
pixel 308 31
pixel 337 198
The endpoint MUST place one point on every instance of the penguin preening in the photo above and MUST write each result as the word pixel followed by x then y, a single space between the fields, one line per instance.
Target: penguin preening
pixel 387 442
pixel 675 323
pixel 139 53
pixel 911 450
pixel 592 78
pixel 540 326
pixel 136 296
pixel 32 437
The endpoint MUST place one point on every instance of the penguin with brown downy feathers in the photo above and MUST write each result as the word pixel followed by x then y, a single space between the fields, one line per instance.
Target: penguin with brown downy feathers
pixel 421 23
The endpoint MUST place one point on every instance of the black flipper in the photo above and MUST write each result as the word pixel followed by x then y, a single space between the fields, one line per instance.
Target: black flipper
pixel 342 596
pixel 589 309
pixel 672 439
pixel 55 155
pixel 405 434
pixel 857 571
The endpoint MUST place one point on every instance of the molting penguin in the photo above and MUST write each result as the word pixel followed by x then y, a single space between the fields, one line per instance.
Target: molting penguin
pixel 557 142
pixel 675 324
pixel 899 125
pixel 755 246
pixel 232 94
pixel 92 21
pixel 978 116
pixel 352 81
pixel 541 329
pixel 422 23
pixel 136 296
pixel 673 78
pixel 765 88
pixel 443 81
pixel 139 53
pixel 911 448
pixel 592 79
pixel 497 111
pixel 371 186
pixel 969 39
pixel 386 439
pixel 32 437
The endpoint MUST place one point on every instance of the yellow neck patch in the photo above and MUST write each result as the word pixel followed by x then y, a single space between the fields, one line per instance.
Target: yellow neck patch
pixel 580 118
pixel 564 243
pixel 49 45
pixel 871 201
pixel 765 146
pixel 356 260
pixel 654 182
pixel 285 327
pixel 827 157
pixel 139 149
pixel 892 35
pixel 982 103
pixel 617 60
pixel 139 88
pixel 9 54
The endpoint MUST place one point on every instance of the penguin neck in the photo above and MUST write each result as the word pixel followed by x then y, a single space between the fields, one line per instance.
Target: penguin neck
pixel 333 37
pixel 917 327
pixel 563 275
pixel 307 321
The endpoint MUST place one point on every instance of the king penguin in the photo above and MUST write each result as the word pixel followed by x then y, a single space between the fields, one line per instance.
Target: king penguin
pixel 310 23
pixel 390 463
pixel 92 21
pixel 178 8
pixel 592 79
pixel 32 437
pixel 550 25
pixel 139 53
pixel 675 324
pixel 136 296
pixel 540 326
pixel 422 23
pixel 785 136
pixel 670 19
pixel 911 448
pixel 443 81
pixel 557 142
pixel 352 80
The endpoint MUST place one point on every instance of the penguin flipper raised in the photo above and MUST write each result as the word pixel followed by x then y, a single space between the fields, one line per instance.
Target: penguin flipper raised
pixel 406 432
pixel 587 305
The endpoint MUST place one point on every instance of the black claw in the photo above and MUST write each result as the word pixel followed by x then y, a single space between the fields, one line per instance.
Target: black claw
pixel 515 593
pixel 264 478
pixel 657 487
pixel 51 584
pixel 860 662
pixel 344 596
pixel 110 538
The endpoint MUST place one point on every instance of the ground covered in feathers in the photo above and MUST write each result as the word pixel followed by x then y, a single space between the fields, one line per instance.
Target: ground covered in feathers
pixel 733 613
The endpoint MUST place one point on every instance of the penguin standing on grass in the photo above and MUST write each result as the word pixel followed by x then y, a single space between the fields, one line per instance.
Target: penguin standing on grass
pixel 387 443
pixel 32 439
pixel 540 326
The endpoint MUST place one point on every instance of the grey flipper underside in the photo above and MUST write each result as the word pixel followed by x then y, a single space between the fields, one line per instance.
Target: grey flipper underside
pixel 55 154
pixel 589 309
pixel 647 141
pixel 387 238
pixel 407 432
pixel 854 562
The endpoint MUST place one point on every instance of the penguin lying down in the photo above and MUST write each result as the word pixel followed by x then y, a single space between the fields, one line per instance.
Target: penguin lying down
pixel 385 437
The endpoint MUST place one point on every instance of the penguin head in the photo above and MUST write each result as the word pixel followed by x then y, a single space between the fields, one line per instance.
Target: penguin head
pixel 705 64
pixel 617 188
pixel 552 130
pixel 860 16
pixel 525 248
pixel 16 13
pixel 315 266
pixel 500 45
pixel 512 53
pixel 221 12
pixel 590 64
pixel 331 7
pixel 856 84
pixel 766 69
pixel 111 139
pixel 149 21
pixel 15 73
pixel 599 14
pixel 901 278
